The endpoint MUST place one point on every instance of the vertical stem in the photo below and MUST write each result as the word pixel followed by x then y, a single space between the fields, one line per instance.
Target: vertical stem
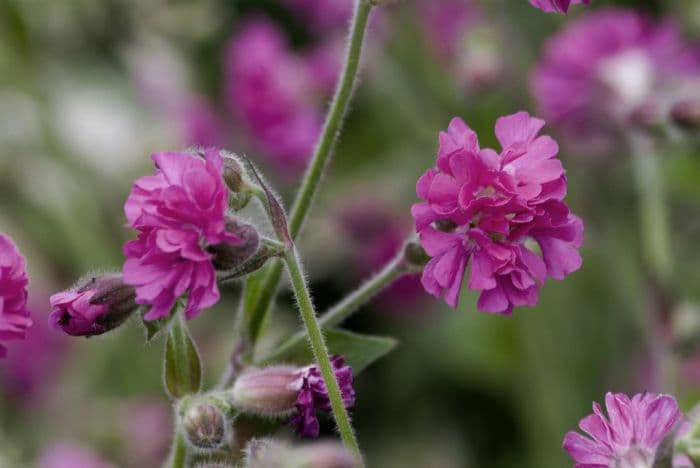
pixel 318 346
pixel 345 308
pixel 656 249
pixel 178 452
pixel 324 148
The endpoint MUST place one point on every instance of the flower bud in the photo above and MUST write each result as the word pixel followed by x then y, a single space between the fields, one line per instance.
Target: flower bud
pixel 228 256
pixel 415 256
pixel 100 304
pixel 270 391
pixel 271 454
pixel 686 114
pixel 204 426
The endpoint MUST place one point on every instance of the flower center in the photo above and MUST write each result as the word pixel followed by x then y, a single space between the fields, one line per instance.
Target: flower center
pixel 634 458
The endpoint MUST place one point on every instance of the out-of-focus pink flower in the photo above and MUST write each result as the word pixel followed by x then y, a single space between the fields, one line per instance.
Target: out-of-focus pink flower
pixel 146 426
pixel 14 315
pixel 447 22
pixel 70 455
pixel 629 436
pixel 590 88
pixel 490 209
pixel 35 362
pixel 375 235
pixel 322 15
pixel 201 123
pixel 556 6
pixel 272 93
pixel 179 212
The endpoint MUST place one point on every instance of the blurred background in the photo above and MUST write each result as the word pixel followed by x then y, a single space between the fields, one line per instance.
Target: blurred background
pixel 88 89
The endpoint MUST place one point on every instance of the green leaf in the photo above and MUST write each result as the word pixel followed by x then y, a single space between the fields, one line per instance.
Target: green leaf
pixel 359 350
pixel 182 374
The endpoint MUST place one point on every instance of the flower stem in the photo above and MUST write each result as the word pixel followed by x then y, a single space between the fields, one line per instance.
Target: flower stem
pixel 324 149
pixel 178 452
pixel 656 249
pixel 318 346
pixel 350 304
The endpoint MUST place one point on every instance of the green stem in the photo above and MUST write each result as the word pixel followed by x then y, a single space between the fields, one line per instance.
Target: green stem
pixel 329 135
pixel 178 452
pixel 318 346
pixel 350 304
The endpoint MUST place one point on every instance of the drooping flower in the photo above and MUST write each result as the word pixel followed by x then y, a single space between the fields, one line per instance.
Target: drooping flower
pixel 630 435
pixel 279 390
pixel 556 6
pixel 271 92
pixel 14 315
pixel 313 395
pixel 496 213
pixel 180 212
pixel 593 88
pixel 100 304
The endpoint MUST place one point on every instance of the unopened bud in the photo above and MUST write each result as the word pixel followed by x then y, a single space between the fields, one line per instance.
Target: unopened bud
pixel 204 426
pixel 270 391
pixel 228 256
pixel 686 114
pixel 95 306
pixel 233 173
pixel 647 116
pixel 415 256
pixel 271 454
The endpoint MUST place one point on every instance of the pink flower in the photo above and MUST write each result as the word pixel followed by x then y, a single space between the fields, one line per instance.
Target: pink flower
pixel 322 15
pixel 556 6
pixel 179 212
pixel 273 93
pixel 629 436
pixel 446 23
pixel 14 315
pixel 591 88
pixel 489 209
pixel 70 455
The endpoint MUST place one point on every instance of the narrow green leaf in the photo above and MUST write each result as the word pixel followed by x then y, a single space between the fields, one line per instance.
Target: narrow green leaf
pixel 359 350
pixel 182 369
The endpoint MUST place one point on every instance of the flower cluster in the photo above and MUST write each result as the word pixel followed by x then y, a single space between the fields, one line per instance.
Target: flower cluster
pixel 14 315
pixel 590 88
pixel 630 436
pixel 180 212
pixel 556 6
pixel 313 395
pixel 277 94
pixel 496 211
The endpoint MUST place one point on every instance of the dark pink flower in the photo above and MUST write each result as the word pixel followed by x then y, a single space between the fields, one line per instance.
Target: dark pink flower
pixel 629 436
pixel 313 395
pixel 179 212
pixel 101 304
pixel 488 210
pixel 14 315
pixel 273 94
pixel 556 6
pixel 591 88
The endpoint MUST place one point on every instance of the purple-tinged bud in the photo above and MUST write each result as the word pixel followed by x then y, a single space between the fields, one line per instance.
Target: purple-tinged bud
pixel 233 174
pixel 271 391
pixel 272 454
pixel 647 116
pixel 228 256
pixel 99 305
pixel 204 426
pixel 686 114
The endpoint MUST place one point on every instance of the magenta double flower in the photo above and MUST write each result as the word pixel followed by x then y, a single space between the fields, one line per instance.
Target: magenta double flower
pixel 14 315
pixel 494 212
pixel 180 212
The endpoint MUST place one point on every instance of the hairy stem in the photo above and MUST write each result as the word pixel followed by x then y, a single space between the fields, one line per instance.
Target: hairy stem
pixel 320 351
pixel 324 148
pixel 350 304
pixel 178 452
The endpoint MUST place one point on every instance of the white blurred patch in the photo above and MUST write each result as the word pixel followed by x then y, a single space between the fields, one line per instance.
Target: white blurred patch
pixel 630 76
